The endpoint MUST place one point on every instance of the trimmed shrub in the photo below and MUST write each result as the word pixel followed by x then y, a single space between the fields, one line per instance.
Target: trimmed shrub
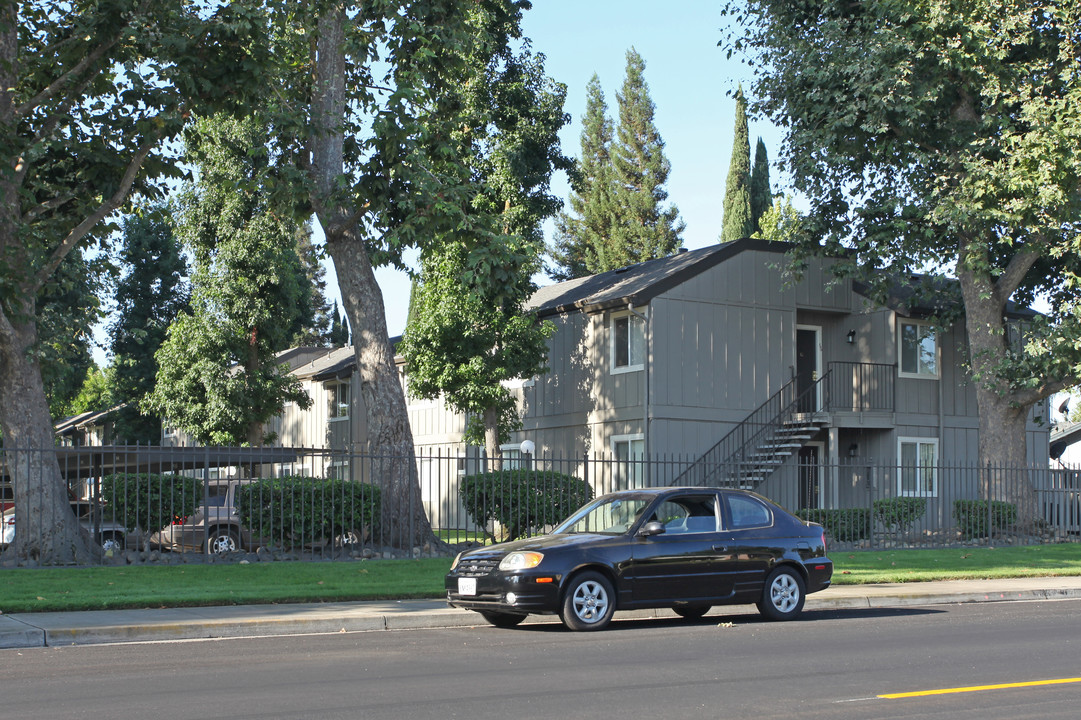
pixel 899 513
pixel 150 501
pixel 845 525
pixel 300 510
pixel 521 499
pixel 972 516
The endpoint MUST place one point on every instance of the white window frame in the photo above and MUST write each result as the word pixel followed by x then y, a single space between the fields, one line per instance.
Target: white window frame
pixel 633 320
pixel 635 463
pixel 924 487
pixel 511 456
pixel 918 374
pixel 334 404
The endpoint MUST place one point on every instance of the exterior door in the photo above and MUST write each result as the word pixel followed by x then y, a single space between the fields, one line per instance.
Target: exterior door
pixel 808 366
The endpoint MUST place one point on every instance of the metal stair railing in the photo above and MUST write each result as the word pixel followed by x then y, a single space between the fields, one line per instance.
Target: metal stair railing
pixel 730 460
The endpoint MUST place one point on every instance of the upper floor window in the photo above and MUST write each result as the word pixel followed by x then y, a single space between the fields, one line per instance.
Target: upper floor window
pixel 338 400
pixel 918 350
pixel 628 342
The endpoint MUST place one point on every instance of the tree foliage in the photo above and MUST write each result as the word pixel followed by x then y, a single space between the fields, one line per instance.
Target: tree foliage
pixel 151 292
pixel 761 193
pixel 88 93
pixel 585 230
pixel 469 332
pixel 738 219
pixel 217 378
pixel 945 136
pixel 643 227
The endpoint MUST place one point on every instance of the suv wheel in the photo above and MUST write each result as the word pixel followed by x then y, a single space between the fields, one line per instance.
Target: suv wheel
pixel 222 540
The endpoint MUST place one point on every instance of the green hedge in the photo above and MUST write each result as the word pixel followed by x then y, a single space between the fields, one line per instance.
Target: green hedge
pixel 150 501
pixel 299 510
pixel 899 513
pixel 521 499
pixel 846 525
pixel 972 516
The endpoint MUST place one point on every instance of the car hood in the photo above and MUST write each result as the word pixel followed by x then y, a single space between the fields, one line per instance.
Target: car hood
pixel 545 542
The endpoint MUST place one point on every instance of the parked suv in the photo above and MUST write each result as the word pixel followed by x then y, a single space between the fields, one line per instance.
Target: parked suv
pixel 92 517
pixel 213 528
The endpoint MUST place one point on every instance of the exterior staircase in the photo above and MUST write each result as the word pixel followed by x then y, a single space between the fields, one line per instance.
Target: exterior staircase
pixel 764 441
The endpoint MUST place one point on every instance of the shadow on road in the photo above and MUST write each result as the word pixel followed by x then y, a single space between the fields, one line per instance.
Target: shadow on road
pixel 736 619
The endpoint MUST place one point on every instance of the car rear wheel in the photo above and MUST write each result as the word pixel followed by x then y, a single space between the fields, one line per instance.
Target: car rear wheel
pixel 589 602
pixel 691 612
pixel 503 620
pixel 783 595
pixel 222 540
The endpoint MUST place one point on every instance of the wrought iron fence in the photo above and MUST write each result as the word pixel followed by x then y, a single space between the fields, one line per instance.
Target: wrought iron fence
pixel 149 504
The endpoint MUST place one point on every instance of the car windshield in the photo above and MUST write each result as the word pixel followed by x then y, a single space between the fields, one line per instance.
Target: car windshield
pixel 606 515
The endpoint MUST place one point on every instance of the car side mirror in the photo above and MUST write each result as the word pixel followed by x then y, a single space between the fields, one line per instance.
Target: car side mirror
pixel 650 529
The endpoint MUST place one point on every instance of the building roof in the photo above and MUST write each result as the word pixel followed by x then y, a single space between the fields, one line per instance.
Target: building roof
pixel 640 283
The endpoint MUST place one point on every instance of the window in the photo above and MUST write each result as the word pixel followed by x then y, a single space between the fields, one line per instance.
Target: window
pixel 748 512
pixel 918 473
pixel 918 350
pixel 338 400
pixel 629 452
pixel 628 340
pixel 687 514
pixel 512 456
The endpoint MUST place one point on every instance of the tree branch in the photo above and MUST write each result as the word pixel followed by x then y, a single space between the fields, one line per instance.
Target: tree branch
pixel 59 83
pixel 79 231
pixel 1015 272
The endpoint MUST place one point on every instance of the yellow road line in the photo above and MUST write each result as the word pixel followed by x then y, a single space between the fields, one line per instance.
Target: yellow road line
pixel 979 688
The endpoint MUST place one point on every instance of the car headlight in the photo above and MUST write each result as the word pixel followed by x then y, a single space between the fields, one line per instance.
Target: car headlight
pixel 457 558
pixel 521 561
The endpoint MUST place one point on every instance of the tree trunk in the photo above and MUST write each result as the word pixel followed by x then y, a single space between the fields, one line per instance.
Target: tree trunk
pixel 47 532
pixel 404 522
pixel 491 439
pixel 1003 447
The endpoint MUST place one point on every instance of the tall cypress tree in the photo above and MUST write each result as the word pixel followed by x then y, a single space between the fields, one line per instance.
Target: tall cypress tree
pixel 737 191
pixel 588 225
pixel 761 194
pixel 149 296
pixel 642 229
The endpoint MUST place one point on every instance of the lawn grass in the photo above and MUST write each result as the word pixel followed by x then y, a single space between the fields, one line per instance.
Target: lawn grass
pixel 893 566
pixel 152 586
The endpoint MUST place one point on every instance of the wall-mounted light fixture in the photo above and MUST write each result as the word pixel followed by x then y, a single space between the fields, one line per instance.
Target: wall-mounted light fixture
pixel 851 336
pixel 853 449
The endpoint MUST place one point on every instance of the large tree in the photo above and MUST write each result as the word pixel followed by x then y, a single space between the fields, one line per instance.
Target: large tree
pixel 946 136
pixel 88 92
pixel 359 111
pixel 150 293
pixel 588 224
pixel 644 228
pixel 217 377
pixel 761 192
pixel 738 221
pixel 469 332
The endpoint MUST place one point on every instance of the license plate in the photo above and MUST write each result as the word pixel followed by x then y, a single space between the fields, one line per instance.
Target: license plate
pixel 467 586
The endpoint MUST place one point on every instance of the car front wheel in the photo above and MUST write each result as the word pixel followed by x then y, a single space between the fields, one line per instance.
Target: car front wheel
pixel 783 595
pixel 589 602
pixel 112 542
pixel 221 541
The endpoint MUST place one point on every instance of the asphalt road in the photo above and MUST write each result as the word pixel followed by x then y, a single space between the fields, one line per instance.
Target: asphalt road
pixel 830 664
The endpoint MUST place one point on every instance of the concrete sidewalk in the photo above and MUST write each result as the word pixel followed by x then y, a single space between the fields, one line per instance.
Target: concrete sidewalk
pixel 25 630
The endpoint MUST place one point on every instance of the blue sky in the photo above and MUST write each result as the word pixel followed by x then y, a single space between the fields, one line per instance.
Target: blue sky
pixel 691 84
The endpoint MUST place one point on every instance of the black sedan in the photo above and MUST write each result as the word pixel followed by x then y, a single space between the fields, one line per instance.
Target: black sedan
pixel 682 548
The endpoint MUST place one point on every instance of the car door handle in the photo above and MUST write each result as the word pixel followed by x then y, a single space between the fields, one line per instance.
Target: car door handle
pixel 720 548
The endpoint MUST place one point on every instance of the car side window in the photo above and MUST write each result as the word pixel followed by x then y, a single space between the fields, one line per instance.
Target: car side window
pixel 748 512
pixel 687 514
